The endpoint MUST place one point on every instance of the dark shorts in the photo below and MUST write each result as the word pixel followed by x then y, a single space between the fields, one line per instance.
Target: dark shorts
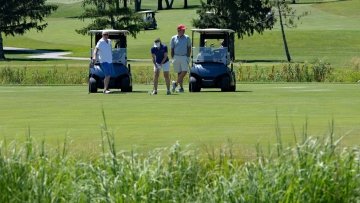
pixel 107 68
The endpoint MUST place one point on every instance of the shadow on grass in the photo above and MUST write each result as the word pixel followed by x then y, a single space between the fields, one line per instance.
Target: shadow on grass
pixel 182 8
pixel 318 2
pixel 120 92
pixel 262 61
pixel 217 91
pixel 8 59
pixel 32 51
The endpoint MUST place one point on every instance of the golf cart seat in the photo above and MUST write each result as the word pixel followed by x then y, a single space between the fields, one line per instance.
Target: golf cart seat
pixel 208 54
pixel 119 56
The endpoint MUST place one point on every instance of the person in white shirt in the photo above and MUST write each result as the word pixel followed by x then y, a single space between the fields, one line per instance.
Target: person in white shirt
pixel 103 48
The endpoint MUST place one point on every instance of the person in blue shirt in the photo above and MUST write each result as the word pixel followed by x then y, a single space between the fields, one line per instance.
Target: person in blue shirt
pixel 180 45
pixel 160 59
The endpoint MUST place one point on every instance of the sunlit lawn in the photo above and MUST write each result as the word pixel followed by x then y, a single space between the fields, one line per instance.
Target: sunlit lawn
pixel 209 118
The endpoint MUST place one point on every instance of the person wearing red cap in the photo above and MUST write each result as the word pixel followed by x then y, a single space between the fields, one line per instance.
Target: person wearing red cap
pixel 180 52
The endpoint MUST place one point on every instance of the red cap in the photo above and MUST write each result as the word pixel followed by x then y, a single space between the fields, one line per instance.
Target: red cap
pixel 181 27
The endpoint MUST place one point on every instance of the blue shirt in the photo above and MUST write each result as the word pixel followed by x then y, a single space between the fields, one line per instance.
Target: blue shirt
pixel 159 53
pixel 180 45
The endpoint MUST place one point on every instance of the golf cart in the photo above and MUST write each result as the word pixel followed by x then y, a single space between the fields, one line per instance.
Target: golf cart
pixel 121 77
pixel 210 63
pixel 149 19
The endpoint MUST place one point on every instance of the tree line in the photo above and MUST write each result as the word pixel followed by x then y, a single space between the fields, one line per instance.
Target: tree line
pixel 245 17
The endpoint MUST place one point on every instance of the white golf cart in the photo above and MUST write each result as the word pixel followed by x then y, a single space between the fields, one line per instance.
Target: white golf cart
pixel 149 20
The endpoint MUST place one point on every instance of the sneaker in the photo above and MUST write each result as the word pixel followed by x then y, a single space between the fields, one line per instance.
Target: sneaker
pixel 106 91
pixel 173 86
pixel 154 92
pixel 181 90
pixel 168 92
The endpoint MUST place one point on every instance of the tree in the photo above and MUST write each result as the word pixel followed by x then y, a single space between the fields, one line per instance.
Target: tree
pixel 243 16
pixel 160 7
pixel 287 16
pixel 19 16
pixel 185 4
pixel 169 4
pixel 109 14
pixel 137 5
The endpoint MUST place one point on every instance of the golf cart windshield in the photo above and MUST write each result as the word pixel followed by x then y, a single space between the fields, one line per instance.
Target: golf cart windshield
pixel 210 54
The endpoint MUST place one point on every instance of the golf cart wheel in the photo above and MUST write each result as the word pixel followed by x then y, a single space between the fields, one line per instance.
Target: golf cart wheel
pixel 194 85
pixel 92 85
pixel 225 84
pixel 127 89
pixel 126 85
pixel 232 88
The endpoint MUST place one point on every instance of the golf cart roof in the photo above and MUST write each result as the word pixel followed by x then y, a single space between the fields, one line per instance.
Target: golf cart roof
pixel 213 31
pixel 147 11
pixel 109 31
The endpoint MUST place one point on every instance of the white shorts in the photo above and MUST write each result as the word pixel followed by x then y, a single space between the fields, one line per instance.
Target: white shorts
pixel 181 63
pixel 165 67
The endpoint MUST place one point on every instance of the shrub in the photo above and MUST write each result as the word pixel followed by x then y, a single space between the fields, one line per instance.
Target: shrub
pixel 321 69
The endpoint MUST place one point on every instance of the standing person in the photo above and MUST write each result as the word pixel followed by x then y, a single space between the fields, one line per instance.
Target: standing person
pixel 104 49
pixel 180 53
pixel 159 53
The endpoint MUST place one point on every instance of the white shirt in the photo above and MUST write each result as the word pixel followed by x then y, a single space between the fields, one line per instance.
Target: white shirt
pixel 105 50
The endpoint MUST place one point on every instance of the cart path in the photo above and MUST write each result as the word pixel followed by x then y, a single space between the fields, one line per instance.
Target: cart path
pixel 44 54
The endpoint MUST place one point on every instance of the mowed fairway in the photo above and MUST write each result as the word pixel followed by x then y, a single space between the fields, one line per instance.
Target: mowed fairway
pixel 209 118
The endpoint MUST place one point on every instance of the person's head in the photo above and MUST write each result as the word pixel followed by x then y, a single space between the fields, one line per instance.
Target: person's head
pixel 157 42
pixel 105 34
pixel 181 30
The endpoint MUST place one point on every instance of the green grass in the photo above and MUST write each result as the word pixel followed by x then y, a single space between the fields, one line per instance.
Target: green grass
pixel 313 170
pixel 330 31
pixel 205 119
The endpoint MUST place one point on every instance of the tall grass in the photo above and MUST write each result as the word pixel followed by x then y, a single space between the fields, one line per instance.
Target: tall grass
pixel 51 75
pixel 317 71
pixel 314 170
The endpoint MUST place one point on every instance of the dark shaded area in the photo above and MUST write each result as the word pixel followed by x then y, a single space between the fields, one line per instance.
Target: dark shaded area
pixel 34 51
pixel 28 59
pixel 217 91
pixel 261 61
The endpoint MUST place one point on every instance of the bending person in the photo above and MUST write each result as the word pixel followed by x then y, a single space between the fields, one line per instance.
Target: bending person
pixel 160 60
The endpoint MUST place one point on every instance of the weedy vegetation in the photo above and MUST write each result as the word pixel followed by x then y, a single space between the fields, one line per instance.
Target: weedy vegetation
pixel 315 169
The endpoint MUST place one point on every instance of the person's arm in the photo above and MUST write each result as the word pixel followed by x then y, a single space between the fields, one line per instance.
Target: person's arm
pixel 188 48
pixel 172 47
pixel 154 59
pixel 172 52
pixel 95 54
pixel 164 59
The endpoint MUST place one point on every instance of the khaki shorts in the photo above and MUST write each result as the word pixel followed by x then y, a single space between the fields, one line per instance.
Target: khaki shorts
pixel 165 67
pixel 181 63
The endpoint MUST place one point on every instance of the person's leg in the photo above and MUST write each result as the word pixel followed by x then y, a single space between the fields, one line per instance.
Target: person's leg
pixel 167 80
pixel 106 82
pixel 166 69
pixel 181 76
pixel 107 68
pixel 177 69
pixel 156 78
pixel 184 65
